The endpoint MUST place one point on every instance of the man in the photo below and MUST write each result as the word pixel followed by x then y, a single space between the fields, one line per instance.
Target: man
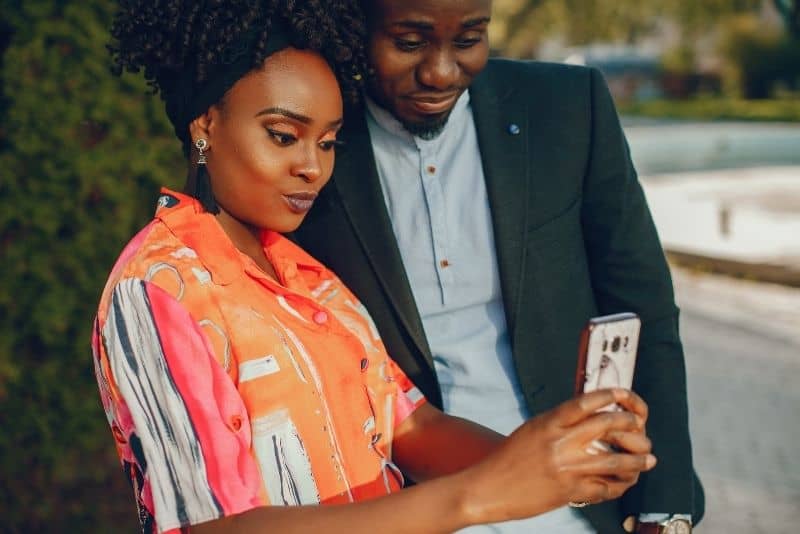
pixel 483 211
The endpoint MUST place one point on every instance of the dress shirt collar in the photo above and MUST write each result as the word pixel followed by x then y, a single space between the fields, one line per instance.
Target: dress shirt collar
pixel 200 230
pixel 386 121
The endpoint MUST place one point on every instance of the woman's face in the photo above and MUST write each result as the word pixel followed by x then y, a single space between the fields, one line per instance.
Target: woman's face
pixel 271 140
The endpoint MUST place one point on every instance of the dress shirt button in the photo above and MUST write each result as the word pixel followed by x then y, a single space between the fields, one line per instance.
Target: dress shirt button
pixel 320 317
pixel 431 169
pixel 364 364
pixel 444 264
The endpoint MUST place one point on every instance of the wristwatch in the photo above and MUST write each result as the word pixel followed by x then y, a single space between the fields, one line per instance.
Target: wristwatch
pixel 674 525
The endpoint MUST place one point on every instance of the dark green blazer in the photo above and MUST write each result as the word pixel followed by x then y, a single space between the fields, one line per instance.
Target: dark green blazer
pixel 574 239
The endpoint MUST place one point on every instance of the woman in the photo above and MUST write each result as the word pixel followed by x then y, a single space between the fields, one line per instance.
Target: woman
pixel 237 373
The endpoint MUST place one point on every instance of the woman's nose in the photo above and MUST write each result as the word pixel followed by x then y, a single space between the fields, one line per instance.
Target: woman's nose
pixel 308 167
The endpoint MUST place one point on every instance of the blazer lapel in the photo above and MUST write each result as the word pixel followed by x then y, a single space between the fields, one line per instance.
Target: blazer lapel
pixel 356 179
pixel 501 119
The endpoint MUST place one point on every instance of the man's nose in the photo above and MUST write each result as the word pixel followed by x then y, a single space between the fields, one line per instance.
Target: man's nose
pixel 439 70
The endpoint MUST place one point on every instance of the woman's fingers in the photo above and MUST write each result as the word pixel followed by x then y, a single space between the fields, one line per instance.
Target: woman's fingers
pixel 632 442
pixel 617 465
pixel 576 410
pixel 600 425
pixel 636 405
pixel 599 488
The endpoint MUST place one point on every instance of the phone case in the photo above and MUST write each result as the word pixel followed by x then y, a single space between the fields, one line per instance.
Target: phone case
pixel 607 353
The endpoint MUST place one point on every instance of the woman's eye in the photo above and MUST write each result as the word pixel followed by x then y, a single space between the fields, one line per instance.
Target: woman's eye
pixel 408 45
pixel 281 138
pixel 327 146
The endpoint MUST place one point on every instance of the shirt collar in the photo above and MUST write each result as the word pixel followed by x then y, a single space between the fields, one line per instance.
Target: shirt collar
pixel 185 217
pixel 385 120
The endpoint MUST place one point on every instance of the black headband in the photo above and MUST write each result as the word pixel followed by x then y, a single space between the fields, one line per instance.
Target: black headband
pixel 187 99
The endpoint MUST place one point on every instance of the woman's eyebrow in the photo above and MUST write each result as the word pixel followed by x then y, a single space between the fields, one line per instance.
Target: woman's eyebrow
pixel 423 25
pixel 296 116
pixel 286 113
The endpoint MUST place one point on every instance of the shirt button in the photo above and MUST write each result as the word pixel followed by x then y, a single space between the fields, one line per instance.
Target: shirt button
pixel 444 264
pixel 431 169
pixel 236 423
pixel 364 364
pixel 320 317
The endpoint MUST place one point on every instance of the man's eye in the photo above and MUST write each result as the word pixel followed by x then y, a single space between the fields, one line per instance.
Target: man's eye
pixel 408 45
pixel 467 43
pixel 327 146
pixel 280 138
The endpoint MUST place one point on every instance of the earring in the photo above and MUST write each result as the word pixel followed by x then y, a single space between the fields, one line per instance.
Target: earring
pixel 201 145
pixel 202 187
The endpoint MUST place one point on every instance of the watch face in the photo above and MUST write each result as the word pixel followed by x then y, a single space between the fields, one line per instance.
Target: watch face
pixel 678 526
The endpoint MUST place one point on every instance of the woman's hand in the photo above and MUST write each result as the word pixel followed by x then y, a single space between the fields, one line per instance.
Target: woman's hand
pixel 547 462
pixel 554 459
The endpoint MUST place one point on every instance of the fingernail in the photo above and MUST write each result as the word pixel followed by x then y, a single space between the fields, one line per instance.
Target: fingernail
pixel 596 447
pixel 650 461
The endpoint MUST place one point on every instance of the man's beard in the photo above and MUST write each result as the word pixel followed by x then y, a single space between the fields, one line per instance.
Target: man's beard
pixel 428 129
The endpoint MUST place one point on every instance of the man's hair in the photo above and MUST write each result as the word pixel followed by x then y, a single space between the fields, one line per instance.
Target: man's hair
pixel 200 37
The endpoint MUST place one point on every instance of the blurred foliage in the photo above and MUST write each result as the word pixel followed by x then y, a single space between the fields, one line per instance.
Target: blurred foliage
pixel 760 62
pixel 82 154
pixel 790 12
pixel 774 110
pixel 740 41
pixel 520 25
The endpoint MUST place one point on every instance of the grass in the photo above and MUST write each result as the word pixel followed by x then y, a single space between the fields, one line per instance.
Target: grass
pixel 775 110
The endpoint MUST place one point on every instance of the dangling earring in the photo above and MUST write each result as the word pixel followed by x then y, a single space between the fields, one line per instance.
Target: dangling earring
pixel 202 190
pixel 201 145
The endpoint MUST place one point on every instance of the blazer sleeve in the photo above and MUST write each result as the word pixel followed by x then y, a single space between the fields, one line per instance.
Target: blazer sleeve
pixel 629 272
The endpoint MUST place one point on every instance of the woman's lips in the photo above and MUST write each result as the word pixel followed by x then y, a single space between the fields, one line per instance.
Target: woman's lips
pixel 433 105
pixel 300 202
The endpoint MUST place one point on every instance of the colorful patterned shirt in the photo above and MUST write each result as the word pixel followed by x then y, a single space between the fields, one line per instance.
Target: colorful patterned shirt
pixel 226 390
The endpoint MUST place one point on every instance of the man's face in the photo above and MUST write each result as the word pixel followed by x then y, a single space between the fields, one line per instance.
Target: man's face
pixel 425 54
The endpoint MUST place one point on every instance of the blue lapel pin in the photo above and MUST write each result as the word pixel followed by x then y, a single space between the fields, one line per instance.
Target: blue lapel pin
pixel 513 129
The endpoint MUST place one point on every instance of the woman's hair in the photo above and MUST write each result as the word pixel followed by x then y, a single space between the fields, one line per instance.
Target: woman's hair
pixel 193 51
pixel 184 44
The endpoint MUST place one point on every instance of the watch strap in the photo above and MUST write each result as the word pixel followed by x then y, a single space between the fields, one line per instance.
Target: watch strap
pixel 650 528
pixel 663 527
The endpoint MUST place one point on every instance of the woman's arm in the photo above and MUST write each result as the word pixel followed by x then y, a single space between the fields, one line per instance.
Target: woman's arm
pixel 541 466
pixel 430 443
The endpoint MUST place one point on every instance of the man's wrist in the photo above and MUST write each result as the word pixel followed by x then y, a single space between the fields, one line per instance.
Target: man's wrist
pixel 658 523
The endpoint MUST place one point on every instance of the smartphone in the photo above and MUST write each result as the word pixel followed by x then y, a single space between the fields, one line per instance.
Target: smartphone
pixel 607 353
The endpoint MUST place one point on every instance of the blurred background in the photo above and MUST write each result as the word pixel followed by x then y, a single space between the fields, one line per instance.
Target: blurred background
pixel 709 93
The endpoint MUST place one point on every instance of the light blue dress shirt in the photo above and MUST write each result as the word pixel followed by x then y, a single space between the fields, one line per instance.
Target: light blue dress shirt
pixel 436 197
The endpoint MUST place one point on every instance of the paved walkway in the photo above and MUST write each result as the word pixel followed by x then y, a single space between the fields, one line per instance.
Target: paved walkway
pixel 742 337
pixel 742 343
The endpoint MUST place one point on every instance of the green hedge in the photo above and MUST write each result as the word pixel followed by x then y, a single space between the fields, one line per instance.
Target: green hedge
pixel 783 110
pixel 82 154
